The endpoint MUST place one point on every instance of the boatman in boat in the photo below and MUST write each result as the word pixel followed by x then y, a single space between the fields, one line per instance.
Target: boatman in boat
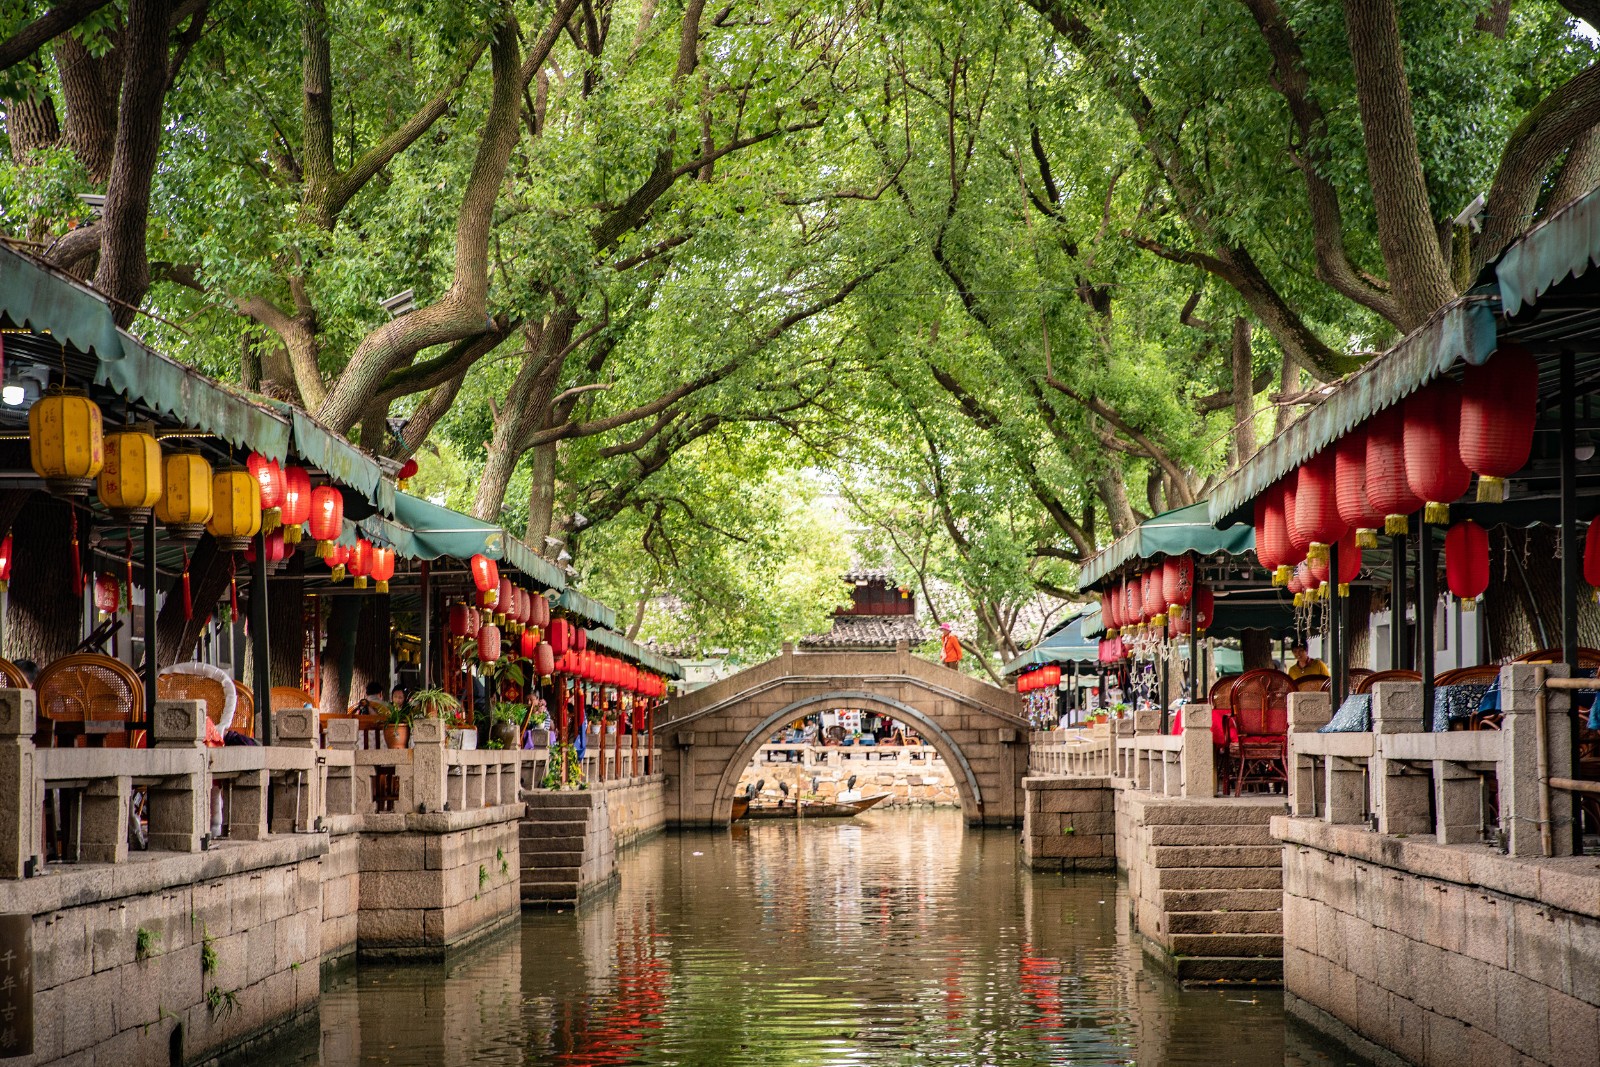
pixel 951 650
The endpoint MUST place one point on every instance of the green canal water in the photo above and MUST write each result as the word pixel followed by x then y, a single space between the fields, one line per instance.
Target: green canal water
pixel 894 939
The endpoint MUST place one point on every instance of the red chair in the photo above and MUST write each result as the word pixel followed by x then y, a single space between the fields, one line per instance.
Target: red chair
pixel 1221 700
pixel 1259 736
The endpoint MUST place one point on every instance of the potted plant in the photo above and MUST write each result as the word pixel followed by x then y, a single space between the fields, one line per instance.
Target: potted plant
pixel 397 731
pixel 507 723
pixel 434 704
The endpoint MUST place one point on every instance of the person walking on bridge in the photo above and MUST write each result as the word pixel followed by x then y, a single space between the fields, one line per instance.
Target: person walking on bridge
pixel 950 646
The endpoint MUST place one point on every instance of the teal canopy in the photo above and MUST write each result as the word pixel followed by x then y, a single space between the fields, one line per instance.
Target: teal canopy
pixel 534 565
pixel 622 646
pixel 1562 246
pixel 1066 644
pixel 1171 533
pixel 438 531
pixel 589 608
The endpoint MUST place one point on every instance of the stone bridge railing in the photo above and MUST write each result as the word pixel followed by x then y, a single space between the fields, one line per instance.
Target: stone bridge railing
pixel 1085 752
pixel 1462 786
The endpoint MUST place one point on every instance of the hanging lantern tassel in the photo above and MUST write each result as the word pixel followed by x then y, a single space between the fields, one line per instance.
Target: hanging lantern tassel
pixel 1318 550
pixel 188 600
pixel 1396 524
pixel 1366 538
pixel 1284 572
pixel 128 552
pixel 77 563
pixel 1435 513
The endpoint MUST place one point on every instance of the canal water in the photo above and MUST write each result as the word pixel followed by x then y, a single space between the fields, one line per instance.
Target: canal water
pixel 894 939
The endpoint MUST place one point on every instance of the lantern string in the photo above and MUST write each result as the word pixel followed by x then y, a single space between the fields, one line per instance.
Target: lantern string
pixel 77 561
pixel 233 588
pixel 188 602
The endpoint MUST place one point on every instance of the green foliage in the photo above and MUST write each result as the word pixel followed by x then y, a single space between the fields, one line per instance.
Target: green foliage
pixel 145 942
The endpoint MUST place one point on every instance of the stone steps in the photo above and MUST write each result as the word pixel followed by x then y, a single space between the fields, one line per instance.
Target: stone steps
pixel 549 894
pixel 1227 945
pixel 1232 970
pixel 1225 922
pixel 1176 900
pixel 553 858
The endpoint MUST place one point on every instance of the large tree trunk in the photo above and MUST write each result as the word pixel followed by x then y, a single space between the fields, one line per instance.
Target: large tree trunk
pixel 373 644
pixel 1418 273
pixel 31 124
pixel 44 616
pixel 286 620
pixel 1256 649
pixel 209 575
pixel 90 87
pixel 542 497
pixel 1114 493
pixel 124 272
pixel 339 654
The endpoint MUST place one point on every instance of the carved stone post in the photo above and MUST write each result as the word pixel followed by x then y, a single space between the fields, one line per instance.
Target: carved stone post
pixel 1400 792
pixel 1308 713
pixel 21 791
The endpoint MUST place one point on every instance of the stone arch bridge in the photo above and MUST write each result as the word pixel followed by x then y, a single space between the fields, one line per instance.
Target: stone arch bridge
pixel 978 728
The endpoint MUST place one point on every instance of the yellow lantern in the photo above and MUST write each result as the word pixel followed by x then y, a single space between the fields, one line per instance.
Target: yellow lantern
pixel 236 508
pixel 130 480
pixel 65 442
pixel 185 504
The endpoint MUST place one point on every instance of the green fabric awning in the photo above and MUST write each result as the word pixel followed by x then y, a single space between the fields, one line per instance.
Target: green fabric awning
pixel 590 609
pixel 1171 533
pixel 1464 329
pixel 534 565
pixel 622 646
pixel 1068 644
pixel 341 461
pixel 439 531
pixel 34 295
pixel 1562 246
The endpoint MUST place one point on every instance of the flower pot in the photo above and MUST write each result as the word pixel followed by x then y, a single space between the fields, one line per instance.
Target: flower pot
pixel 396 736
pixel 508 733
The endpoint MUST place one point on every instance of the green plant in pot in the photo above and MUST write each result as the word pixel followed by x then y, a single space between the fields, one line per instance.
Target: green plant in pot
pixel 507 723
pixel 397 728
pixel 433 704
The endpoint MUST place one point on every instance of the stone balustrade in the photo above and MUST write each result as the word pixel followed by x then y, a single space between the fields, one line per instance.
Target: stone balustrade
pixel 1477 784
pixel 1084 752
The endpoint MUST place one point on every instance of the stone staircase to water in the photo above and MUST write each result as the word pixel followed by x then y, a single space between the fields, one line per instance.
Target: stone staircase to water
pixel 1206 878
pixel 568 852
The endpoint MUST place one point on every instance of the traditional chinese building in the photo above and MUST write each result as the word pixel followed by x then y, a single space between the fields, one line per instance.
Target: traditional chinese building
pixel 879 615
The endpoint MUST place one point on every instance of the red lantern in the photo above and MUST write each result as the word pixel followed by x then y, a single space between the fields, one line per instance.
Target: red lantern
pixel 541 612
pixel 528 644
pixel 544 660
pixel 276 552
pixel 1205 606
pixel 1299 540
pixel 361 562
pixel 1349 562
pixel 1316 504
pixel 502 598
pixel 486 576
pixel 5 563
pixel 1387 489
pixel 1272 535
pixel 1177 582
pixel 1591 555
pixel 382 567
pixel 488 643
pixel 327 517
pixel 296 502
pixel 560 636
pixel 1155 600
pixel 1466 562
pixel 270 475
pixel 1350 488
pixel 1433 448
pixel 580 639
pixel 1499 405
pixel 106 595
pixel 336 558
pixel 408 471
pixel 461 618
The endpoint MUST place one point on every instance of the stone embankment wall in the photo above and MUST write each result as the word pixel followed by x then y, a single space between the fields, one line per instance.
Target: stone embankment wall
pixel 157 961
pixel 1444 954
pixel 910 784
pixel 1068 824
pixel 432 882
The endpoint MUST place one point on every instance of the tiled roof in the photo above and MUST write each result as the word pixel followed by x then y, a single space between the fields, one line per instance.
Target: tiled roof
pixel 883 575
pixel 868 632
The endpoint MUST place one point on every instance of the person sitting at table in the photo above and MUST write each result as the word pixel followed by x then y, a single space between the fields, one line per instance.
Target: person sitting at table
pixel 1304 666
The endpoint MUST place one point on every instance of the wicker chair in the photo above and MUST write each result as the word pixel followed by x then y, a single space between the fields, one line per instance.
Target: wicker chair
pixel 1365 684
pixel 1221 700
pixel 1258 745
pixel 244 713
pixel 1587 657
pixel 1313 683
pixel 13 676
pixel 85 696
pixel 290 698
pixel 208 691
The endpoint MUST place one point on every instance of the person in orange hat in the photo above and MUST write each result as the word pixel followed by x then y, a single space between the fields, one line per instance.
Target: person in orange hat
pixel 950 650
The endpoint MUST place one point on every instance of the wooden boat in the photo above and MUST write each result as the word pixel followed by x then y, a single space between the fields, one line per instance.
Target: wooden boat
pixel 744 808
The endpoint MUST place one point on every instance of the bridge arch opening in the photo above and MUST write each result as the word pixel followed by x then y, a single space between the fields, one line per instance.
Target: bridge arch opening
pixel 935 736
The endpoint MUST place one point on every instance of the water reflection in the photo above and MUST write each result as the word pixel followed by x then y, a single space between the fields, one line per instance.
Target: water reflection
pixel 896 939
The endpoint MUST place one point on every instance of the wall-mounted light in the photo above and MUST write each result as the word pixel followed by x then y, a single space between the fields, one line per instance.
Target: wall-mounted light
pixel 13 395
pixel 399 303
pixel 1583 447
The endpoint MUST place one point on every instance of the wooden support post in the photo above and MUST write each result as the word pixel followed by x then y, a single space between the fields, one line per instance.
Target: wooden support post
pixel 1426 594
pixel 260 648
